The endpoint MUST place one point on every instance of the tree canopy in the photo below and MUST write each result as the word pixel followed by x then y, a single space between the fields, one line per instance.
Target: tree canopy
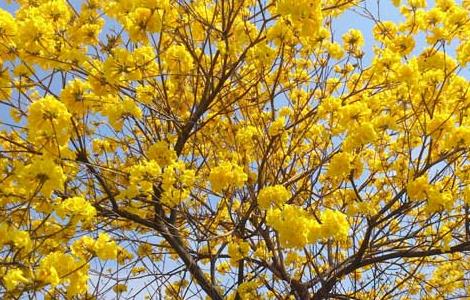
pixel 234 149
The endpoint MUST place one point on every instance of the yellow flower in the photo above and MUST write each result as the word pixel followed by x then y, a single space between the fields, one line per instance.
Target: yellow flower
pixel 458 137
pixel 162 153
pixel 340 165
pixel 145 94
pixel 142 177
pixel 306 15
pixel 353 39
pixel 463 52
pixel 138 270
pixel 45 172
pixel 245 136
pixel 117 110
pixel 83 247
pixel 13 278
pixel 227 175
pixel 120 288
pixel 248 290
pixel 8 31
pixel 334 225
pixel 36 33
pixel 78 208
pixel 335 50
pixel 105 248
pixel 277 195
pixel 76 96
pixel 449 276
pixel 277 127
pixel 178 60
pixel 295 226
pixel 142 21
pixel 417 3
pixel 78 281
pixel 53 267
pixel 144 250
pixel 238 250
pixel 120 67
pixel 177 182
pixel 417 188
pixel 21 239
pixel 223 267
pixel 49 122
pixel 403 44
pixel 438 200
pixel 465 195
pixel 385 30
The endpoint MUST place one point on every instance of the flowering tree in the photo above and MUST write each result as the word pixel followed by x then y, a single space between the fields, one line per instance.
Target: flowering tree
pixel 233 149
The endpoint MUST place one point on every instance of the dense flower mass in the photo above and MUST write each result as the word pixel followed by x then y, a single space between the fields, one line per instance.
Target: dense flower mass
pixel 226 175
pixel 277 195
pixel 49 123
pixel 271 149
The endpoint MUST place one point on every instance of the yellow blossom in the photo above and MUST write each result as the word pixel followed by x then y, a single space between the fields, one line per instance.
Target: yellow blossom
pixel 105 248
pixel 238 250
pixel 13 278
pixel 49 122
pixel 226 175
pixel 276 195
